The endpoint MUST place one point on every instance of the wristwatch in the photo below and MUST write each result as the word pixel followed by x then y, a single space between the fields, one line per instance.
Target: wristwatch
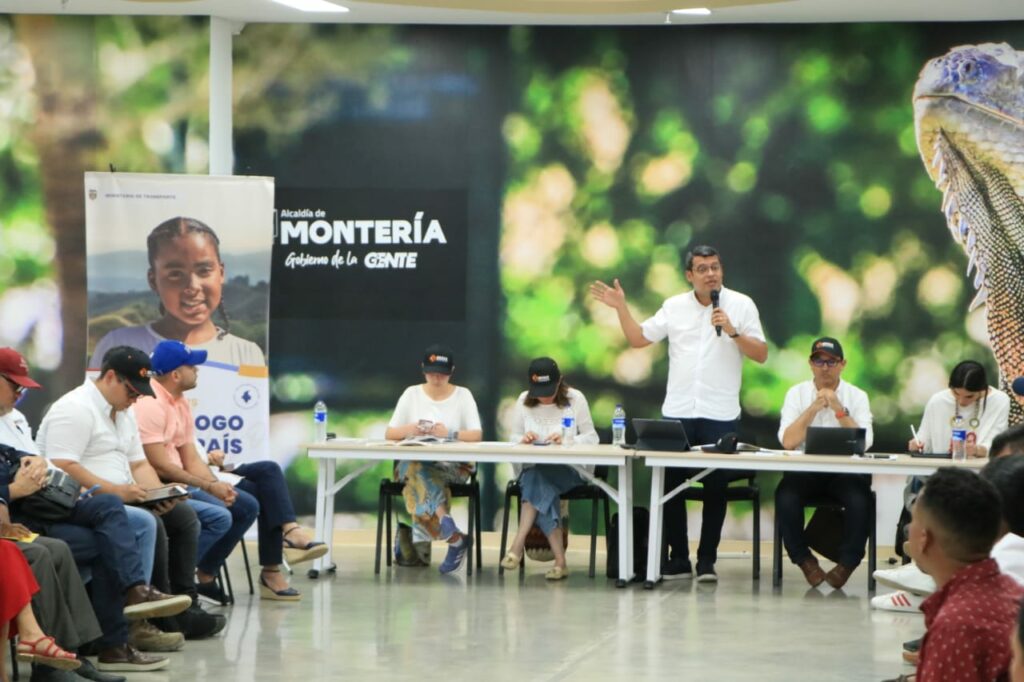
pixel 733 336
pixel 453 435
pixel 845 412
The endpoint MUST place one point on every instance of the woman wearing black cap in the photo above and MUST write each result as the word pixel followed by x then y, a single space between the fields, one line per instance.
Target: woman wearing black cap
pixel 437 408
pixel 537 420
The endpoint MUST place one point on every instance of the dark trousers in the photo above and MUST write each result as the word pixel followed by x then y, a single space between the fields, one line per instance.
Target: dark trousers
pixel 243 512
pixel 675 536
pixel 101 537
pixel 177 539
pixel 852 491
pixel 61 593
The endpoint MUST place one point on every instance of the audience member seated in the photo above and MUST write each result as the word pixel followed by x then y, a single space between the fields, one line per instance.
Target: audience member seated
pixel 168 439
pixel 16 617
pixel 1017 648
pixel 985 411
pixel 117 549
pixel 92 434
pixel 440 409
pixel 824 401
pixel 1009 442
pixel 955 523
pixel 538 419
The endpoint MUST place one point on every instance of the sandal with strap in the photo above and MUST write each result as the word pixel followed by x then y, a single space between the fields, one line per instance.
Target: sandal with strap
pixel 296 553
pixel 557 573
pixel 268 592
pixel 511 561
pixel 45 651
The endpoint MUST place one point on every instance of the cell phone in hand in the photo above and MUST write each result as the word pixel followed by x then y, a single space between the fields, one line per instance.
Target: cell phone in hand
pixel 425 425
pixel 228 467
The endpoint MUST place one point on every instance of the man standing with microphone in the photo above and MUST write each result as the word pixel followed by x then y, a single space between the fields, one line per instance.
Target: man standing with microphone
pixel 710 330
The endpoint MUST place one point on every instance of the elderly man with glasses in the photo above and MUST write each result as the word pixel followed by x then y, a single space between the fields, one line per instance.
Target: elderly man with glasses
pixel 825 400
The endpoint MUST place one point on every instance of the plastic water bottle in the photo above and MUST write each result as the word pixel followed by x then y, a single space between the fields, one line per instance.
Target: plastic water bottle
pixel 568 426
pixel 320 422
pixel 959 444
pixel 619 426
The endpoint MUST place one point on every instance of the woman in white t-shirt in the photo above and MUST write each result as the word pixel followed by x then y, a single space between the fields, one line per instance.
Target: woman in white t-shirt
pixel 985 412
pixel 538 421
pixel 440 409
pixel 187 273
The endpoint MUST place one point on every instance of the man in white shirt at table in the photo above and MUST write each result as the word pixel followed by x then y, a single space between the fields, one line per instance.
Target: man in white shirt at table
pixel 824 401
pixel 709 330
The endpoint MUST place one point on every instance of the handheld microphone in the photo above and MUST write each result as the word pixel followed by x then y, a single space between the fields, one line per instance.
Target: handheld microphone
pixel 1018 386
pixel 715 293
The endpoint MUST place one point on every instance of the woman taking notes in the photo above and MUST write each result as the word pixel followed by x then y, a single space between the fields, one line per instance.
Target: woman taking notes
pixel 538 420
pixel 443 410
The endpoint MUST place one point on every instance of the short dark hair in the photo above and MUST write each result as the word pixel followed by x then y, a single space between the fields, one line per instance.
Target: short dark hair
pixel 1012 438
pixel 967 509
pixel 969 375
pixel 1007 475
pixel 702 250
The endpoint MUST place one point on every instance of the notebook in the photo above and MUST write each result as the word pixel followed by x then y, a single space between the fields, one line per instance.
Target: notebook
pixel 832 440
pixel 660 434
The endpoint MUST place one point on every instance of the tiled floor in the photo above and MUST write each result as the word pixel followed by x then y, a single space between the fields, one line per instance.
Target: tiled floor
pixel 412 624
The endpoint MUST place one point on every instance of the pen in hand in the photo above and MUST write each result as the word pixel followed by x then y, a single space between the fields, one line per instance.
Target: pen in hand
pixel 88 493
pixel 913 432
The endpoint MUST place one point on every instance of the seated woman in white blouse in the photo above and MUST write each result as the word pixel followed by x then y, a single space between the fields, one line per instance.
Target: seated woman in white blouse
pixel 437 408
pixel 538 419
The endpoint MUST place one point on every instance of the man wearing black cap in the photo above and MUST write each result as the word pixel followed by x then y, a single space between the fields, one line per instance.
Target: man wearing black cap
pixel 826 401
pixel 710 330
pixel 91 433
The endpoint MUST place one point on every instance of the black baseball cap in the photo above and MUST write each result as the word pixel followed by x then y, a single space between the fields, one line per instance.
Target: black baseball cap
pixel 543 377
pixel 132 364
pixel 826 345
pixel 438 359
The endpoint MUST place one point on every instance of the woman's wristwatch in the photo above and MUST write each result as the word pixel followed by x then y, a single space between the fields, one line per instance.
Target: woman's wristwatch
pixel 453 435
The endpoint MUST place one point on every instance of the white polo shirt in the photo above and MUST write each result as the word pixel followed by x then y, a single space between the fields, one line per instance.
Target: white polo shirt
pixel 78 428
pixel 800 397
pixel 16 433
pixel 704 369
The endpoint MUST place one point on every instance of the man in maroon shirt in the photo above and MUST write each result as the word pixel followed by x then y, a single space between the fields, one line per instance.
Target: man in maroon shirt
pixel 956 519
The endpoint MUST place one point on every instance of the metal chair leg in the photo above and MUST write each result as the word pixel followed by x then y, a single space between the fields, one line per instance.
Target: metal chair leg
pixel 248 569
pixel 380 528
pixel 504 532
pixel 593 537
pixel 756 559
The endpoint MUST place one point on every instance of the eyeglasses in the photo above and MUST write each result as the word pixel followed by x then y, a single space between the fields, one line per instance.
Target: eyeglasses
pixel 822 362
pixel 705 269
pixel 133 393
pixel 17 388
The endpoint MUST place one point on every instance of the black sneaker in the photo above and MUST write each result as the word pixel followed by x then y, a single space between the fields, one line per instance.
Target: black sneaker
pixel 677 569
pixel 706 573
pixel 194 623
pixel 89 672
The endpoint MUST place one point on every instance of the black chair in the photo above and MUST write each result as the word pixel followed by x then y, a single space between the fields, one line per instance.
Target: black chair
pixel 224 578
pixel 735 493
pixel 586 491
pixel 390 489
pixel 829 504
pixel 14 660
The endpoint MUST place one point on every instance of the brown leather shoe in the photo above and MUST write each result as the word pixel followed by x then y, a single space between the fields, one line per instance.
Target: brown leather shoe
pixel 812 571
pixel 838 576
pixel 145 601
pixel 127 659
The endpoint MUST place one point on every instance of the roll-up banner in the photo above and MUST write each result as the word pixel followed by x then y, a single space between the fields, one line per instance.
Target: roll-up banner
pixel 188 258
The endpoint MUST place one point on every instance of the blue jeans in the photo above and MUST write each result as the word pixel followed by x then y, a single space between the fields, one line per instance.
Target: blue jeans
pixel 214 520
pixel 115 542
pixel 240 516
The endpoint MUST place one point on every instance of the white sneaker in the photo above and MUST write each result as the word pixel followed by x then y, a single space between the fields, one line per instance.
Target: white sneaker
pixel 908 577
pixel 898 601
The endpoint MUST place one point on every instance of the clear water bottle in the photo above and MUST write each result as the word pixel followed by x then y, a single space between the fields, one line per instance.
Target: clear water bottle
pixel 959 442
pixel 568 426
pixel 619 426
pixel 320 422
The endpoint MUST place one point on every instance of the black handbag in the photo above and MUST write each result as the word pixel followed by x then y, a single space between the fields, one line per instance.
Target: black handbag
pixel 51 503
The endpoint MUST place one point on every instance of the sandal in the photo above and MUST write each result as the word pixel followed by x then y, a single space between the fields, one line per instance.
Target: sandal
pixel 557 573
pixel 46 652
pixel 511 561
pixel 268 592
pixel 296 553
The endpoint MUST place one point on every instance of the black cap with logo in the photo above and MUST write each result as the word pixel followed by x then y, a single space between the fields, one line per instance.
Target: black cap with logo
pixel 826 345
pixel 132 364
pixel 438 359
pixel 544 377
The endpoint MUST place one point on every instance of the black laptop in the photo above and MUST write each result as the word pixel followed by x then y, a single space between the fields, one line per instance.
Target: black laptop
pixel 835 440
pixel 660 434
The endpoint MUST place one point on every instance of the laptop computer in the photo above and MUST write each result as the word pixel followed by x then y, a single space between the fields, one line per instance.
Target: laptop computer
pixel 660 434
pixel 833 440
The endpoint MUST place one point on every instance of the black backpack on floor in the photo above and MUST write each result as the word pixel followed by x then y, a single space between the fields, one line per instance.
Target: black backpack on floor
pixel 641 522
